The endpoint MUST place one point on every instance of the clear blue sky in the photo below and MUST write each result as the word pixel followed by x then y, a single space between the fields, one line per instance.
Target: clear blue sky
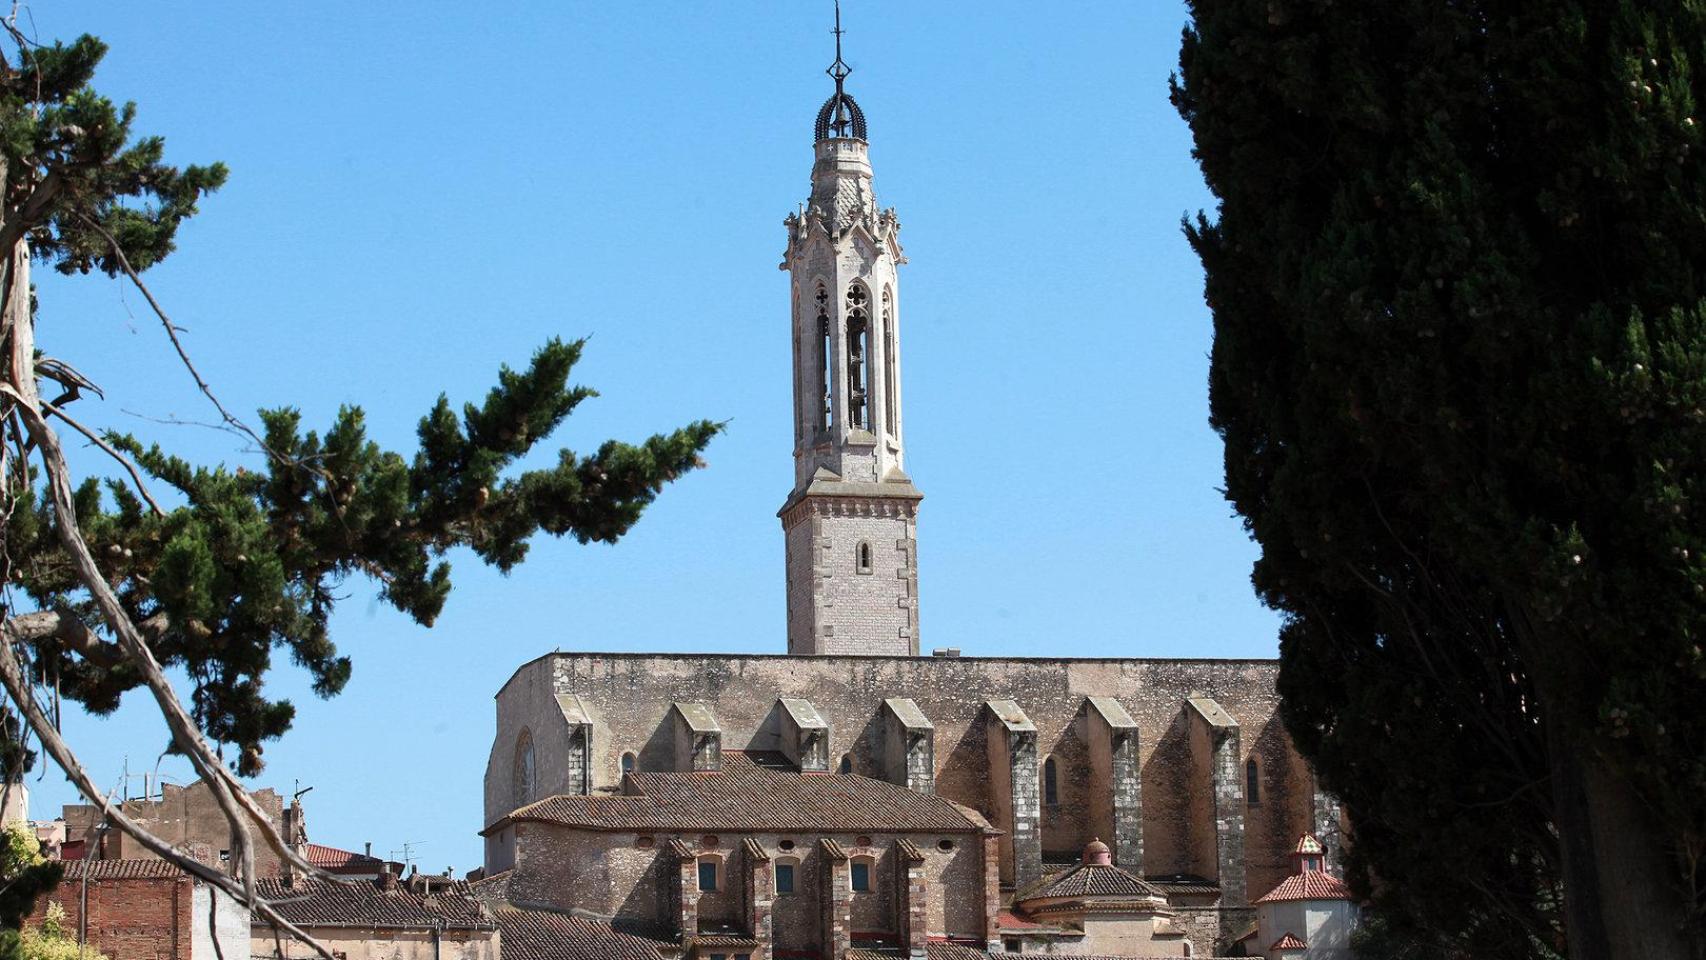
pixel 423 191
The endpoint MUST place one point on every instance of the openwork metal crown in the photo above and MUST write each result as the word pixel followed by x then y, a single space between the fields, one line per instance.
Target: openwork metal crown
pixel 840 116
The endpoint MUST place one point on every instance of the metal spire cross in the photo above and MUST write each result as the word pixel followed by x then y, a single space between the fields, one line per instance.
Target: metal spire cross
pixel 838 71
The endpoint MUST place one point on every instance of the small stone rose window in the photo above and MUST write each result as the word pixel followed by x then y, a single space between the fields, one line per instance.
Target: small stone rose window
pixel 945 845
pixel 862 841
pixel 709 840
pixel 786 845
pixel 645 843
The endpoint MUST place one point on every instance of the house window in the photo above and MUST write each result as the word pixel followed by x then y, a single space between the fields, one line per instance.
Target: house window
pixel 708 874
pixel 862 876
pixel 1051 783
pixel 863 556
pixel 1252 781
pixel 784 878
pixel 630 763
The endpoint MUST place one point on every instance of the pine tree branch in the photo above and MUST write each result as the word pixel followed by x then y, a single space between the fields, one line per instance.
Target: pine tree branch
pixel 97 440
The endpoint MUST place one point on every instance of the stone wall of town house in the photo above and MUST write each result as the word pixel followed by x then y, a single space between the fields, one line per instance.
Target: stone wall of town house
pixel 627 876
pixel 371 944
pixel 188 817
pixel 627 698
pixel 132 918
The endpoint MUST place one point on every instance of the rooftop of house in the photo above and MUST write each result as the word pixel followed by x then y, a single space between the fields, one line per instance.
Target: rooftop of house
pixel 121 870
pixel 545 935
pixel 382 902
pixel 335 860
pixel 749 794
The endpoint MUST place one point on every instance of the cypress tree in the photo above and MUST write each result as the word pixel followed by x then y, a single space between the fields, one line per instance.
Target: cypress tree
pixel 1458 282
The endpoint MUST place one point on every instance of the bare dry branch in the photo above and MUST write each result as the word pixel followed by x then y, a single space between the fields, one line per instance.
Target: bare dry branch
pixel 97 440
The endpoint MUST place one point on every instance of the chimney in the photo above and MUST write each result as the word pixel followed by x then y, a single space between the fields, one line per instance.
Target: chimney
pixel 945 652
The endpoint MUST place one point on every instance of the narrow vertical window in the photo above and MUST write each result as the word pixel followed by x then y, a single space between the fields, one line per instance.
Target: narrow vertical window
pixel 846 763
pixel 826 407
pixel 784 878
pixel 891 401
pixel 861 876
pixel 526 775
pixel 858 351
pixel 1051 783
pixel 862 556
pixel 708 874
pixel 1252 781
pixel 630 763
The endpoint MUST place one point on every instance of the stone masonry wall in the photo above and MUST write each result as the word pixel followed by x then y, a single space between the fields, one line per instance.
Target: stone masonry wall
pixel 632 877
pixel 188 817
pixel 627 698
pixel 834 607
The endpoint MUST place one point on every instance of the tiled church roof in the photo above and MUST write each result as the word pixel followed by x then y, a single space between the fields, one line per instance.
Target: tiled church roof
pixel 543 935
pixel 744 796
pixel 1308 885
pixel 1090 880
pixel 365 903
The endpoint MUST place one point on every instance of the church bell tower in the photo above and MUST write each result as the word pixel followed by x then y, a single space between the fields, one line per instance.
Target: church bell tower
pixel 850 524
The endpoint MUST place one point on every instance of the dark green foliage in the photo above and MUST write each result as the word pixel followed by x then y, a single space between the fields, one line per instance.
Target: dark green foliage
pixel 252 561
pixel 1458 280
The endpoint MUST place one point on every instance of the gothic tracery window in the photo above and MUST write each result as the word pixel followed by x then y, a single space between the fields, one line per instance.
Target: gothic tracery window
pixel 858 353
pixel 825 418
pixel 891 404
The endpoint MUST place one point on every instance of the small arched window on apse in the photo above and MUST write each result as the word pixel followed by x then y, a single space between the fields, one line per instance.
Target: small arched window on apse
pixel 630 763
pixel 1051 782
pixel 526 775
pixel 1252 781
pixel 846 763
pixel 862 556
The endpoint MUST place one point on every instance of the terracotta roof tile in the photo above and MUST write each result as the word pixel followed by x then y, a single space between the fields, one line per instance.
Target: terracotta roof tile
pixel 121 870
pixel 1008 920
pixel 364 903
pixel 754 850
pixel 1089 880
pixel 909 850
pixel 331 858
pixel 1308 885
pixel 745 796
pixel 1289 942
pixel 934 950
pixel 832 850
pixel 542 935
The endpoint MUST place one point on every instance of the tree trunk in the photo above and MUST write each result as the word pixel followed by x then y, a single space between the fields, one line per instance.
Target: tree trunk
pixel 1622 885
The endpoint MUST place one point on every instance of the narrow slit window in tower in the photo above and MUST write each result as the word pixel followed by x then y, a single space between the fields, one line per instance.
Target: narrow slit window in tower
pixel 863 556
pixel 826 413
pixel 858 351
pixel 891 404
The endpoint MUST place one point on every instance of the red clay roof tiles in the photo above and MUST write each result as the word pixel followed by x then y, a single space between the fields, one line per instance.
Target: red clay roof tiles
pixel 543 935
pixel 1308 885
pixel 744 796
pixel 121 870
pixel 365 903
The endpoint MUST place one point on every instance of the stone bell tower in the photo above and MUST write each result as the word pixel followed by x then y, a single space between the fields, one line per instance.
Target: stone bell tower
pixel 850 523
